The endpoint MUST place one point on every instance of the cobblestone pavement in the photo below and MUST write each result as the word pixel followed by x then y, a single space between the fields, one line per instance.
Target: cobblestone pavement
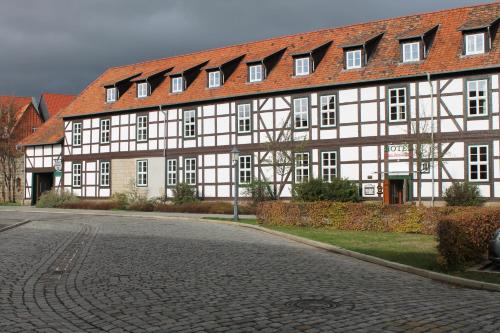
pixel 71 273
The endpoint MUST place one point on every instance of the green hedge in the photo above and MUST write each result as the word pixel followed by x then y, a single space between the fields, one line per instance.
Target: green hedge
pixel 350 216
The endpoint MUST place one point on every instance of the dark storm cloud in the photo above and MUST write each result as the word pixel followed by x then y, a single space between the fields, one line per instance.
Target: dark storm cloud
pixel 62 45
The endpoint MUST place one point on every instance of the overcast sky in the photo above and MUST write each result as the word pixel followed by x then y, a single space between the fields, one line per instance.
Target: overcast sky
pixel 62 45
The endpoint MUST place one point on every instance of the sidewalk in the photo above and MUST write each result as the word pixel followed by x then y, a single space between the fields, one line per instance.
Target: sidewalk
pixel 31 209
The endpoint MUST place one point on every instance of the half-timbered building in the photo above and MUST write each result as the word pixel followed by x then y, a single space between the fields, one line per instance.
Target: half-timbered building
pixel 367 101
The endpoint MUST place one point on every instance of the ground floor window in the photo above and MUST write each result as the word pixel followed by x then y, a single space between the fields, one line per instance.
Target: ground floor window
pixel 104 173
pixel 142 173
pixel 478 163
pixel 301 167
pixel 245 169
pixel 77 175
pixel 329 165
pixel 171 172
pixel 190 171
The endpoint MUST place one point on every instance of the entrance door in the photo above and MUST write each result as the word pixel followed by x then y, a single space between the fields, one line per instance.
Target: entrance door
pixel 397 191
pixel 43 182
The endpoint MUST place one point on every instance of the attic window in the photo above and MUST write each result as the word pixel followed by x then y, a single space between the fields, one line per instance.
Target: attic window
pixel 411 51
pixel 143 89
pixel 111 94
pixel 214 79
pixel 255 73
pixel 177 84
pixel 474 43
pixel 302 66
pixel 353 59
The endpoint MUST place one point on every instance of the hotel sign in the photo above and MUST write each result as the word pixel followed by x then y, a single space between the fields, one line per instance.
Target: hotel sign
pixel 397 151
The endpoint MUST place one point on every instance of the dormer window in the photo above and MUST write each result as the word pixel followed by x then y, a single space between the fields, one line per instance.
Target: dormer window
pixel 214 79
pixel 353 59
pixel 302 66
pixel 411 52
pixel 256 73
pixel 474 43
pixel 143 89
pixel 111 94
pixel 177 84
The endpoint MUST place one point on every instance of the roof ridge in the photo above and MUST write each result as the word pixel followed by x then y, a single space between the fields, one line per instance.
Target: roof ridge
pixel 302 33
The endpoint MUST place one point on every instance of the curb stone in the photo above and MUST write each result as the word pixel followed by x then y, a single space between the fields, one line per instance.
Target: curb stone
pixel 14 225
pixel 440 277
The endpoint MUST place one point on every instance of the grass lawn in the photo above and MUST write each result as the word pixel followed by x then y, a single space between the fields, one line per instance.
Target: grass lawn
pixel 10 204
pixel 409 249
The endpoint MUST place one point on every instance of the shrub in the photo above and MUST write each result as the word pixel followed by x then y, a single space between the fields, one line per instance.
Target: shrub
pixel 339 189
pixel 184 193
pixel 313 190
pixel 463 236
pixel 91 204
pixel 56 198
pixel 343 190
pixel 202 207
pixel 121 200
pixel 351 216
pixel 463 194
pixel 259 191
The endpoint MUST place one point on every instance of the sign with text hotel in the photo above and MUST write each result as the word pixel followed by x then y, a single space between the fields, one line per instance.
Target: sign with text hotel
pixel 397 151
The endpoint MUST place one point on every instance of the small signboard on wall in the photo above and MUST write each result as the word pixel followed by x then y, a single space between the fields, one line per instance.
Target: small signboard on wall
pixel 369 190
pixel 57 167
pixel 397 151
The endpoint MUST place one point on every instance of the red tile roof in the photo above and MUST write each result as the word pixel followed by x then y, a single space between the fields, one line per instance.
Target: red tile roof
pixel 147 75
pixel 417 32
pixel 20 103
pixel 56 102
pixel 310 47
pixel 444 56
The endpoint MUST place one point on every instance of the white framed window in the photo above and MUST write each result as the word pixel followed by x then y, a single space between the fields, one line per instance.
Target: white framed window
pixel 105 130
pixel 142 128
pixel 328 110
pixel 171 172
pixel 77 134
pixel 256 73
pixel 244 118
pixel 111 94
pixel 411 52
pixel 190 171
pixel 177 84
pixel 477 98
pixel 77 175
pixel 353 59
pixel 104 174
pixel 142 89
pixel 329 165
pixel 245 169
pixel 301 167
pixel 214 79
pixel 474 43
pixel 478 163
pixel 397 104
pixel 302 66
pixel 189 123
pixel 301 112
pixel 142 173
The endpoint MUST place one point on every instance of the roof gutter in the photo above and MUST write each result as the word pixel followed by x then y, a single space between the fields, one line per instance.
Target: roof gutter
pixel 311 87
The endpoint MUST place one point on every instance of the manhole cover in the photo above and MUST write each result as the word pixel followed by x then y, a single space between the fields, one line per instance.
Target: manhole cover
pixel 320 304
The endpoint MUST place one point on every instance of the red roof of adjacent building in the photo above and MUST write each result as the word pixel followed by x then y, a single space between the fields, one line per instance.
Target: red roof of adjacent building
pixel 445 55
pixel 20 103
pixel 56 102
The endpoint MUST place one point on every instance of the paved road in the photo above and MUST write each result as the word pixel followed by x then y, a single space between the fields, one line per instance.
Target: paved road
pixel 73 273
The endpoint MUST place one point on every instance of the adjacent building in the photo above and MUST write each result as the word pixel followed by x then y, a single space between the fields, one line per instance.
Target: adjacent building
pixel 364 102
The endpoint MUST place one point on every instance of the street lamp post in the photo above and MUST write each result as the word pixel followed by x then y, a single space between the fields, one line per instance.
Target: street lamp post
pixel 235 156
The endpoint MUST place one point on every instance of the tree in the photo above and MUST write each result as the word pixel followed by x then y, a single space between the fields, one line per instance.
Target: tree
pixel 423 149
pixel 9 154
pixel 280 156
